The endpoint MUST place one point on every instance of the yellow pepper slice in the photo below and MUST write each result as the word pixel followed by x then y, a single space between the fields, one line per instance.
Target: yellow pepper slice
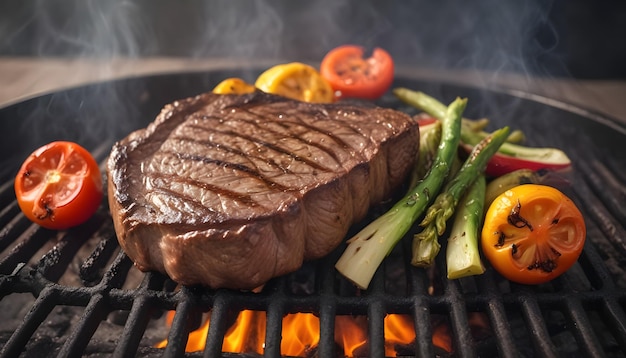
pixel 297 81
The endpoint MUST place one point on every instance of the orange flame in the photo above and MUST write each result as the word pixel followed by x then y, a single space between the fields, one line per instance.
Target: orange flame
pixel 350 333
pixel 301 333
pixel 398 330
pixel 246 334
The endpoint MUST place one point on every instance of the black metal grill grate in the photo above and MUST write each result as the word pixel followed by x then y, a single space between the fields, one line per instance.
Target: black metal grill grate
pixel 82 271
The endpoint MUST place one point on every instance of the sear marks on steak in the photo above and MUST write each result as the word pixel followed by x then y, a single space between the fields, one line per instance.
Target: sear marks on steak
pixel 232 190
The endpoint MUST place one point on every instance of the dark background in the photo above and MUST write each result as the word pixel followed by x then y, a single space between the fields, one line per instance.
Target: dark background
pixel 578 38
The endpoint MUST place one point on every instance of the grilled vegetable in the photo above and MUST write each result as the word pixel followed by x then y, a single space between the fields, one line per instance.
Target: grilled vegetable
pixel 513 157
pixel 510 156
pixel 507 181
pixel 533 234
pixel 367 249
pixel 233 85
pixel 352 75
pixel 430 136
pixel 425 244
pixel 297 81
pixel 462 254
pixel 59 185
pixel 499 185
pixel 476 127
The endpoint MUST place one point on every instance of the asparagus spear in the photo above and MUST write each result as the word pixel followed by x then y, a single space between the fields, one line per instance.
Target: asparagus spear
pixel 475 128
pixel 425 244
pixel 367 249
pixel 462 255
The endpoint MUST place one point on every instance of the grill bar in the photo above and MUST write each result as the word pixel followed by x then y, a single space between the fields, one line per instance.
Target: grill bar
pixel 458 316
pixel 95 264
pixel 327 310
pixel 416 283
pixel 12 224
pixel 31 241
pixel 497 317
pixel 177 339
pixel 581 327
pixel 217 329
pixel 45 302
pixel 376 311
pixel 273 326
pixel 78 339
pixel 613 314
pixel 532 315
pixel 142 310
pixel 138 319
pixel 423 332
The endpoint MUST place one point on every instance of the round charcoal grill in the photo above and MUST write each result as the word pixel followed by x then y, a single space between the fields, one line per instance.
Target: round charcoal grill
pixel 75 292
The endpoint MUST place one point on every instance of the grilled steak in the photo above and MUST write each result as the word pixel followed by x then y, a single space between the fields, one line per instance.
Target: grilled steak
pixel 230 191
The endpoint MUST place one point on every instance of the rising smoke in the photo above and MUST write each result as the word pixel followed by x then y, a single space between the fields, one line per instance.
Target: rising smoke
pixel 521 36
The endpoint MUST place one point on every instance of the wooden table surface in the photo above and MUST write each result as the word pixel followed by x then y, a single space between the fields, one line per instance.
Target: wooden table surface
pixel 22 78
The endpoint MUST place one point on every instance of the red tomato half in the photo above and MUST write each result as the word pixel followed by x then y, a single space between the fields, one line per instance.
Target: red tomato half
pixel 351 75
pixel 59 186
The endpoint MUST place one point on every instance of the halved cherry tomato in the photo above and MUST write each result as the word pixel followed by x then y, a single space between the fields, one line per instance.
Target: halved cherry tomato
pixel 351 75
pixel 532 234
pixel 59 185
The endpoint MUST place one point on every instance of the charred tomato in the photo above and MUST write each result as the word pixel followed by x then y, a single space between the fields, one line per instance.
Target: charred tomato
pixel 352 75
pixel 532 234
pixel 59 185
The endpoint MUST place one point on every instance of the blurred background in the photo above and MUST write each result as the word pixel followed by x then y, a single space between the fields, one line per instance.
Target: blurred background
pixel 579 44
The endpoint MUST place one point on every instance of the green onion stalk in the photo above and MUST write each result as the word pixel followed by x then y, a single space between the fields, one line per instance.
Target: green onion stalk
pixel 462 253
pixel 368 248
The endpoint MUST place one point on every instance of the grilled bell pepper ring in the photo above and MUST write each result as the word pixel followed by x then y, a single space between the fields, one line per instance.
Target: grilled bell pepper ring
pixel 511 157
pixel 532 234
pixel 501 164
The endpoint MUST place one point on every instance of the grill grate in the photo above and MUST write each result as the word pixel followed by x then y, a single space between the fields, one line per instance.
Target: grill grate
pixel 83 273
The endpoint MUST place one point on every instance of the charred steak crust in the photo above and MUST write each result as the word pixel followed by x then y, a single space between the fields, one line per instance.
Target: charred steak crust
pixel 230 191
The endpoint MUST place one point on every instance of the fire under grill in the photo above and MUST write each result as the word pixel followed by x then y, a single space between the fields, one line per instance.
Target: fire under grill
pixel 75 293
